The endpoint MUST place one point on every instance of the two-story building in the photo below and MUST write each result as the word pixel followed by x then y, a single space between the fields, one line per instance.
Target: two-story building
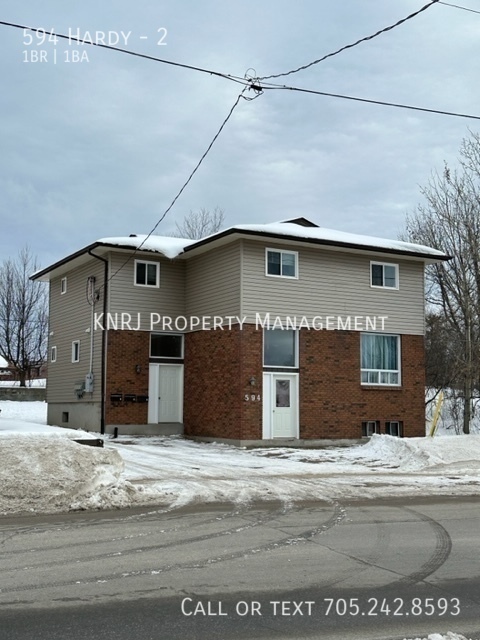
pixel 256 333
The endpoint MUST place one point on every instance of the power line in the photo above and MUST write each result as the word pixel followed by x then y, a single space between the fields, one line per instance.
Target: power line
pixel 457 6
pixel 185 184
pixel 379 102
pixel 210 72
pixel 353 44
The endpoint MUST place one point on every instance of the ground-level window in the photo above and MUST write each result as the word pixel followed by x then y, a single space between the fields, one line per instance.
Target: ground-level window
pixel 166 345
pixel 384 275
pixel 394 428
pixel 281 263
pixel 280 348
pixel 76 351
pixel 380 359
pixel 369 427
pixel 53 354
pixel 147 274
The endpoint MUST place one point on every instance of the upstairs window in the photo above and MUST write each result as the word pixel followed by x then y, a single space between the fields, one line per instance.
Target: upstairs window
pixel 384 275
pixel 63 286
pixel 53 354
pixel 283 264
pixel 147 274
pixel 380 359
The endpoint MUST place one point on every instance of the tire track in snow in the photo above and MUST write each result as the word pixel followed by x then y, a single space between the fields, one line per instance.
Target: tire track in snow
pixel 336 517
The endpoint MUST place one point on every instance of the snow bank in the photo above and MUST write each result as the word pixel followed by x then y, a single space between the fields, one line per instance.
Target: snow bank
pixel 49 473
pixel 438 636
pixel 412 454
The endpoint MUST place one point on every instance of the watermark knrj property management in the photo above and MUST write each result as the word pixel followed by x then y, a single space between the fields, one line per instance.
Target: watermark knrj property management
pixel 156 322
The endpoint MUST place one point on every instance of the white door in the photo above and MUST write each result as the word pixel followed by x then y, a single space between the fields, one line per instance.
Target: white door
pixel 166 393
pixel 284 406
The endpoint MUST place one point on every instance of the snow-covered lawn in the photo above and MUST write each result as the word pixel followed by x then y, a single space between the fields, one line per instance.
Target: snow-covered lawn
pixel 37 382
pixel 42 470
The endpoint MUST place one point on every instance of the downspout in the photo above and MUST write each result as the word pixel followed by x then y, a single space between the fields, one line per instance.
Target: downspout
pixel 104 342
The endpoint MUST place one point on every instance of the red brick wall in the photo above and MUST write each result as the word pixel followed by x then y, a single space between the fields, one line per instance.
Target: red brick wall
pixel 218 368
pixel 126 349
pixel 219 365
pixel 333 403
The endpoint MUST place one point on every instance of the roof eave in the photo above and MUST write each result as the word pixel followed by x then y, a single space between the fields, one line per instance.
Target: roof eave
pixel 329 243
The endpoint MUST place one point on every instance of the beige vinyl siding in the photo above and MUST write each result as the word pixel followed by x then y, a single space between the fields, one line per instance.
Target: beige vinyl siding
pixel 125 297
pixel 213 282
pixel 332 283
pixel 70 317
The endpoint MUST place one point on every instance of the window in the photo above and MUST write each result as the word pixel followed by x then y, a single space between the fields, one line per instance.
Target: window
pixel 380 359
pixel 281 263
pixel 166 345
pixel 280 348
pixel 63 286
pixel 369 427
pixel 384 275
pixel 147 274
pixel 65 416
pixel 76 351
pixel 53 354
pixel 394 428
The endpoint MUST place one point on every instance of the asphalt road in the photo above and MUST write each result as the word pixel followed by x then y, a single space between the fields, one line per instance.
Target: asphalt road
pixel 390 569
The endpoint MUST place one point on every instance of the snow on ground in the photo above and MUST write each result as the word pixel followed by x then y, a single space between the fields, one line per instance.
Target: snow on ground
pixel 42 470
pixel 438 636
pixel 38 382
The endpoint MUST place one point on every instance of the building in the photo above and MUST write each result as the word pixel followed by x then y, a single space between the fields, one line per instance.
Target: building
pixel 256 333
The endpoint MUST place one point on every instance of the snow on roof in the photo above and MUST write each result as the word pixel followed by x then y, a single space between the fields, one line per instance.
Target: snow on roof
pixel 172 247
pixel 340 237
pixel 3 363
pixel 168 246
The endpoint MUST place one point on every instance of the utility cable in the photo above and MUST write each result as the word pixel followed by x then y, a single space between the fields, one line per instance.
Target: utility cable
pixel 210 72
pixel 353 44
pixel 457 6
pixel 266 87
pixel 185 184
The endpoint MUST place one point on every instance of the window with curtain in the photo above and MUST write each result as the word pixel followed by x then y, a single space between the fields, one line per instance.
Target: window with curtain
pixel 380 359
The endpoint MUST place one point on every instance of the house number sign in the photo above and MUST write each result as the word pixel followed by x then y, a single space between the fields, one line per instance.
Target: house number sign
pixel 252 397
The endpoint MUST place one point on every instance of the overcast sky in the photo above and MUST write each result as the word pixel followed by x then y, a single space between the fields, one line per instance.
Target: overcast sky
pixel 101 147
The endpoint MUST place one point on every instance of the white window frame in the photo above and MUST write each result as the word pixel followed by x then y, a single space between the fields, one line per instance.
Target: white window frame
pixel 157 277
pixel 63 285
pixel 399 427
pixel 383 286
pixel 282 366
pixel 76 351
pixel 53 354
pixel 166 333
pixel 281 251
pixel 380 371
pixel 376 428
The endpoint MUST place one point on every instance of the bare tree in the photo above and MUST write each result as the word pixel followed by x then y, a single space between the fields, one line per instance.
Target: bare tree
pixel 450 221
pixel 201 223
pixel 23 315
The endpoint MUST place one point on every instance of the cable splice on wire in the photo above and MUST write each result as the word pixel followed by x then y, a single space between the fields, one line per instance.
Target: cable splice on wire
pixel 210 72
pixel 271 87
pixel 353 44
pixel 185 184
